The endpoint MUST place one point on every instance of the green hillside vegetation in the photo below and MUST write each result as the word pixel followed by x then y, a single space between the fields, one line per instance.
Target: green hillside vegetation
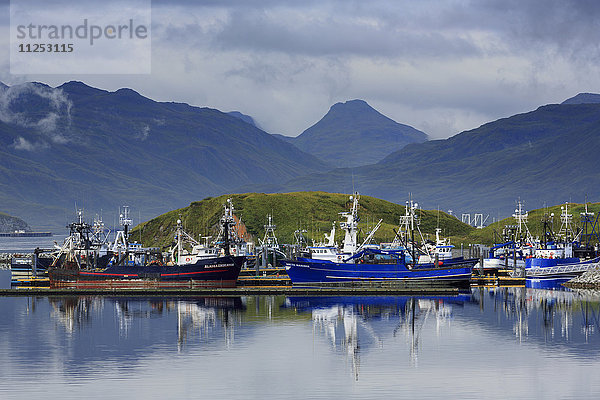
pixel 486 235
pixel 312 211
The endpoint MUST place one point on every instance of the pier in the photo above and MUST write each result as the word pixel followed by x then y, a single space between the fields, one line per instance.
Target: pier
pixel 268 281
pixel 263 285
pixel 26 234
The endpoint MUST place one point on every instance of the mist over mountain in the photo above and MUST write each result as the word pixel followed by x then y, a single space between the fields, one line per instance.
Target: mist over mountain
pixel 246 118
pixel 354 133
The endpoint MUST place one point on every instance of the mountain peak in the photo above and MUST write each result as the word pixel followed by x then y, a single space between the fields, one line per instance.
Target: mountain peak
pixel 352 106
pixel 79 88
pixel 130 95
pixel 354 103
pixel 128 92
pixel 353 133
pixel 583 98
pixel 244 117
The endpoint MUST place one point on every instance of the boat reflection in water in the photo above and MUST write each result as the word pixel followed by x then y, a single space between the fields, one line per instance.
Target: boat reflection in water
pixel 204 317
pixel 555 316
pixel 559 319
pixel 354 325
pixel 201 318
pixel 488 342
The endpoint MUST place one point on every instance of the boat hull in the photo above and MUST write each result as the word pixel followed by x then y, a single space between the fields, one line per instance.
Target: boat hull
pixel 308 272
pixel 212 272
pixel 493 265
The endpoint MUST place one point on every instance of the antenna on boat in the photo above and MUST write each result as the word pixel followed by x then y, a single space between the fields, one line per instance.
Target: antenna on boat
pixel 139 222
pixel 125 221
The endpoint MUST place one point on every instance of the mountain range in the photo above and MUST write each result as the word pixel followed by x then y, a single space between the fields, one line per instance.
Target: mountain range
pixel 75 146
pixel 546 156
pixel 353 133
pixel 78 146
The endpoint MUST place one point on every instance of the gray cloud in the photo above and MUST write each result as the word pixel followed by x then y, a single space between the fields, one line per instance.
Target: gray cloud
pixel 262 31
pixel 59 113
pixel 439 65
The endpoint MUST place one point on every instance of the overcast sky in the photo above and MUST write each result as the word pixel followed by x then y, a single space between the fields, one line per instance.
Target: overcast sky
pixel 440 66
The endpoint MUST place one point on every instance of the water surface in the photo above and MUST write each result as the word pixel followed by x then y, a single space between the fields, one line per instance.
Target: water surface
pixel 490 343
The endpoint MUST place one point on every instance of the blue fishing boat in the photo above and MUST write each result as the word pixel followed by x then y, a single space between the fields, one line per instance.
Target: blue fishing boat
pixel 370 264
pixel 556 258
pixel 547 283
pixel 568 267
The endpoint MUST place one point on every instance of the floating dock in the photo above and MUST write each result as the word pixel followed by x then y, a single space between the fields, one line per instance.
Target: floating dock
pixel 495 280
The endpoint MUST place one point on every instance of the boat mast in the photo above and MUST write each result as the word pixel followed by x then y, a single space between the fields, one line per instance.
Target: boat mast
pixel 270 240
pixel 412 231
pixel 566 219
pixel 521 217
pixel 350 226
pixel 125 221
pixel 179 239
pixel 227 221
pixel 546 234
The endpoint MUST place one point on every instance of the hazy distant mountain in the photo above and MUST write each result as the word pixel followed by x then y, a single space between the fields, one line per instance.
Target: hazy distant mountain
pixel 78 145
pixel 10 224
pixel 353 133
pixel 547 156
pixel 583 98
pixel 246 118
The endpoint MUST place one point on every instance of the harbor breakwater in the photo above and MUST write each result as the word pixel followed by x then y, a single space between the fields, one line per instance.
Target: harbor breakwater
pixel 589 280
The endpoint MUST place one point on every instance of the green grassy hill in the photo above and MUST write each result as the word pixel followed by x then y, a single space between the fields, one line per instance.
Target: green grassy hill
pixel 312 211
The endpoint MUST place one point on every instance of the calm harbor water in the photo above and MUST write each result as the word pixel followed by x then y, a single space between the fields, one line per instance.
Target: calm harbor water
pixel 27 244
pixel 490 343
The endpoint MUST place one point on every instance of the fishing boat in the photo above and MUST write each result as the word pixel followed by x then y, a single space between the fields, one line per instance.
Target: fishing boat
pixel 558 267
pixel 77 263
pixel 368 264
pixel 517 245
pixel 555 259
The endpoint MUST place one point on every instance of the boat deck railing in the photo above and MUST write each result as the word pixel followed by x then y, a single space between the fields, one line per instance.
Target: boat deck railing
pixel 561 269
